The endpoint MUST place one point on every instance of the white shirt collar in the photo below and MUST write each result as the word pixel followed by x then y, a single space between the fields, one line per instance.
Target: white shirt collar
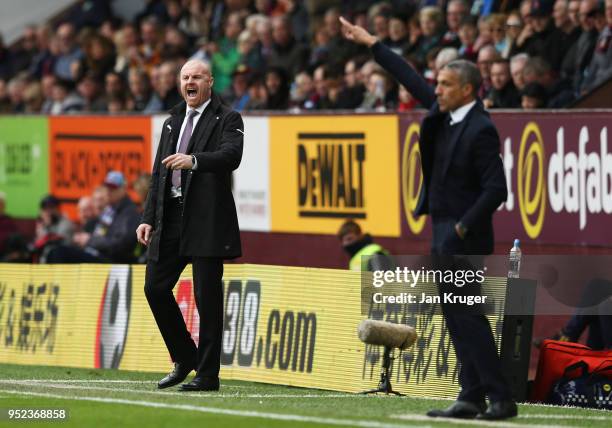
pixel 199 109
pixel 459 114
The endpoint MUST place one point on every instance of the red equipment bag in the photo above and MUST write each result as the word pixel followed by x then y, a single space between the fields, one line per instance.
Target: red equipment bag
pixel 555 357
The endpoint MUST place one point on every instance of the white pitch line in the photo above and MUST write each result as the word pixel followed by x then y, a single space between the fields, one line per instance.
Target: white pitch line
pixel 588 417
pixel 473 422
pixel 181 394
pixel 221 411
pixel 141 382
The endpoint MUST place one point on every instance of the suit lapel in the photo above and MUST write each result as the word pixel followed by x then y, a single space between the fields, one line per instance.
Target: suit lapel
pixel 205 126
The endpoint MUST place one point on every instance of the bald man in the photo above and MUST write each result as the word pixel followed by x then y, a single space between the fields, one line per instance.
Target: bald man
pixel 190 217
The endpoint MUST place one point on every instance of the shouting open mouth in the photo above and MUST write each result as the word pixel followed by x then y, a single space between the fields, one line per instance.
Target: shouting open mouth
pixel 192 92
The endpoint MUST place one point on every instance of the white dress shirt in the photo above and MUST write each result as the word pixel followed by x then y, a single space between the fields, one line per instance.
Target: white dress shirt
pixel 459 114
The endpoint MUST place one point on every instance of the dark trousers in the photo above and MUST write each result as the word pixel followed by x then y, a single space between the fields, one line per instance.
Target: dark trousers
pixel 480 372
pixel 160 279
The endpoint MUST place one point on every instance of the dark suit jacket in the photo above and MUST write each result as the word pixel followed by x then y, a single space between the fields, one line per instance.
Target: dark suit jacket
pixel 474 179
pixel 210 224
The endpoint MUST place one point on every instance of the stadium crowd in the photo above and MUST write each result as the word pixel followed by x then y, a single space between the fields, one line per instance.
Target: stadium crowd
pixel 290 54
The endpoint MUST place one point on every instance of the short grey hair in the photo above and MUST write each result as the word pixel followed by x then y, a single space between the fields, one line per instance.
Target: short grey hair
pixel 522 57
pixel 468 73
pixel 446 55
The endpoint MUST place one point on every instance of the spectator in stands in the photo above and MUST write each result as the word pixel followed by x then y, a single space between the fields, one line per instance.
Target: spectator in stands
pixel 287 52
pixel 52 228
pixel 33 98
pixel 114 84
pixel 514 25
pixel 265 43
pixel 149 51
pixel 5 102
pixel 398 40
pixel 167 90
pixel 127 49
pixel 99 57
pixel 90 91
pixel 258 95
pixel 339 49
pixel 250 56
pixel 277 88
pixel 6 68
pixel 600 16
pixel 298 18
pixel 194 21
pixel 563 35
pixel 456 12
pixel 238 95
pixel 503 93
pixel 7 225
pixel 140 92
pixel 600 68
pixel 70 53
pixel 141 187
pixel 226 58
pixel 558 91
pixel 113 239
pixel 468 32
pixel 497 22
pixel 376 96
pixel 541 43
pixel 65 100
pixel 87 214
pixel 352 95
pixel 365 255
pixel 303 94
pixel 47 51
pixel 565 23
pixel 517 65
pixel 47 84
pixel 175 46
pixel 580 54
pixel 380 26
pixel 99 198
pixel 485 36
pixel 445 56
pixel 431 22
pixel 573 10
pixel 533 96
pixel 320 49
pixel 406 101
pixel 486 57
pixel 15 88
pixel 25 50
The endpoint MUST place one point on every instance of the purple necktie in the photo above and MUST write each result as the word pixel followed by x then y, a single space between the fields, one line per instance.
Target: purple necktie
pixel 176 174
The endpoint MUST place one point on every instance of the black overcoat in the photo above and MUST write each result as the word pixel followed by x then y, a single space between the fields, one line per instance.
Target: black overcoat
pixel 209 221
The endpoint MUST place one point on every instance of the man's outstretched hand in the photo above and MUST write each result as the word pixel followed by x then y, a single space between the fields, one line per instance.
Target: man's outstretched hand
pixel 356 33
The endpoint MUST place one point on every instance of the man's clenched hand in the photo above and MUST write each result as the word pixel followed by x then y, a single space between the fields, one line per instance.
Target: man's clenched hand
pixel 143 233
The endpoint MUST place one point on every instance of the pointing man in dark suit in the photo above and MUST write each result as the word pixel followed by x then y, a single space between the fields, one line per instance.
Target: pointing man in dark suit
pixel 190 217
pixel 463 185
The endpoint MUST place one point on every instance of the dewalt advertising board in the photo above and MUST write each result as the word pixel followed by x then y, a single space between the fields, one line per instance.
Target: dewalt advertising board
pixel 324 169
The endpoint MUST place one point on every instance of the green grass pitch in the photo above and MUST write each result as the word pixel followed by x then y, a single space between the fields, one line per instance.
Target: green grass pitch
pixel 114 398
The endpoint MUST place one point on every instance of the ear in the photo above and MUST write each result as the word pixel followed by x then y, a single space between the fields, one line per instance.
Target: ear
pixel 467 89
pixel 210 83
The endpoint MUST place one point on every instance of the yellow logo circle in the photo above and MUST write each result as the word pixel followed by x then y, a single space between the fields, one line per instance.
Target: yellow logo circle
pixel 531 204
pixel 411 164
pixel 607 387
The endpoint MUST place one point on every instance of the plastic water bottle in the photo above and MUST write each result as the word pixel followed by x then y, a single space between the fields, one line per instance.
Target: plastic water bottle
pixel 515 260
